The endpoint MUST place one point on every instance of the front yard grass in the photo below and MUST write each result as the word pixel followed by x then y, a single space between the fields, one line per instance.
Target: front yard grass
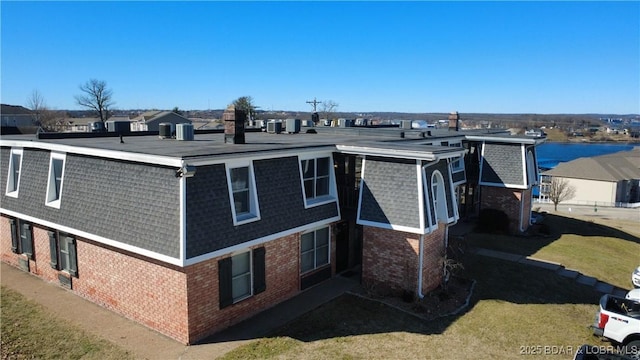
pixel 516 310
pixel 597 250
pixel 31 332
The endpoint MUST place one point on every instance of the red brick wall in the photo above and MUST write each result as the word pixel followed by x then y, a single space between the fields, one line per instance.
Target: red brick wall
pixel 5 243
pixel 282 278
pixel 432 258
pixel 390 259
pixel 180 303
pixel 507 200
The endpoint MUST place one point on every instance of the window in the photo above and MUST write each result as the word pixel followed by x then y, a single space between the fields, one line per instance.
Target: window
pixel 314 250
pixel 63 252
pixel 21 237
pixel 439 197
pixel 13 178
pixel 241 276
pixel 56 174
pixel 316 179
pixel 243 194
pixel 457 165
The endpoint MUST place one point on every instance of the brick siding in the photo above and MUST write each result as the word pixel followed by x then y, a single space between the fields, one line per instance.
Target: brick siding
pixel 181 303
pixel 390 260
pixel 509 201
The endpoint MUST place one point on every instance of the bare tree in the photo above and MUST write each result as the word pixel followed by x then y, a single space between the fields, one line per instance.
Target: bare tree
pixel 327 108
pixel 36 103
pixel 560 190
pixel 96 97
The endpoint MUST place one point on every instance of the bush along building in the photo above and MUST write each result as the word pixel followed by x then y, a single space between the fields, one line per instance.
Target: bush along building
pixel 191 235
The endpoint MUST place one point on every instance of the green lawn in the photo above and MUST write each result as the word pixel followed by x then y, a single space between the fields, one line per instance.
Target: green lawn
pixel 31 332
pixel 514 306
pixel 606 253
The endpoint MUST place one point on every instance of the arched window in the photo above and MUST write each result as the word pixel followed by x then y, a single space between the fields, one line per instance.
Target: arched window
pixel 439 197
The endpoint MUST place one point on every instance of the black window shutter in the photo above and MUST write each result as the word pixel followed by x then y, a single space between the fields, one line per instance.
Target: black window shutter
pixel 259 280
pixel 14 236
pixel 73 258
pixel 53 250
pixel 225 282
pixel 27 240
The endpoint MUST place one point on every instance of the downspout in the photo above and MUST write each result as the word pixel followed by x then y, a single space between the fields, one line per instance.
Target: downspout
pixel 522 213
pixel 420 261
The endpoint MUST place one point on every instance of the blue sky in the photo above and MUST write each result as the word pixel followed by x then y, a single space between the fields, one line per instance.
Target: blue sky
pixel 500 57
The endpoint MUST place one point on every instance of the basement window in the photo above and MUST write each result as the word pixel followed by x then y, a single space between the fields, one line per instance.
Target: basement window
pixel 56 176
pixel 13 178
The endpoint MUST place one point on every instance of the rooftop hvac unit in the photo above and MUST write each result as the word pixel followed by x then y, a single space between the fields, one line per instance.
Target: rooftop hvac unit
pixel 406 124
pixel 165 130
pixel 120 127
pixel 293 126
pixel 274 127
pixel 345 122
pixel 184 132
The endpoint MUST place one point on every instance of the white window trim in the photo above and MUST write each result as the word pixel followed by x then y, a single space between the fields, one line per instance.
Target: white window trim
pixel 333 191
pixel 51 180
pixel 458 160
pixel 439 205
pixel 316 267
pixel 14 193
pixel 254 208
pixel 250 275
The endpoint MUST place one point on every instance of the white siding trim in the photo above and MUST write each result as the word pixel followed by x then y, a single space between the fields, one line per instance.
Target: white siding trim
pixel 408 229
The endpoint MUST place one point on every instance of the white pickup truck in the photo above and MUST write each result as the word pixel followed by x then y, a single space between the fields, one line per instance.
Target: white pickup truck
pixel 618 320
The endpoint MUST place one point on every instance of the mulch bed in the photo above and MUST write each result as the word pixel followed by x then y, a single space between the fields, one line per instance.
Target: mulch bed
pixel 435 304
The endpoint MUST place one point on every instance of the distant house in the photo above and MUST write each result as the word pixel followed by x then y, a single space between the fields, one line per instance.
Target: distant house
pixel 16 116
pixel 607 180
pixel 535 133
pixel 191 237
pixel 150 120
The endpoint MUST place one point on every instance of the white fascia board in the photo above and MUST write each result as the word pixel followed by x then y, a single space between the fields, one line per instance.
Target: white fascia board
pixel 511 140
pixel 501 185
pixel 421 201
pixel 523 160
pixel 100 153
pixel 96 238
pixel 403 154
pixel 259 155
pixel 393 227
pixel 262 240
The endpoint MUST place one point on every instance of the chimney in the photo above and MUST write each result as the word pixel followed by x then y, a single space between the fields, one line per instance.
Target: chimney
pixel 234 125
pixel 454 120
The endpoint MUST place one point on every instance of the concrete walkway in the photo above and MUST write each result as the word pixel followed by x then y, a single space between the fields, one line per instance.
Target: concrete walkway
pixel 144 343
pixel 559 269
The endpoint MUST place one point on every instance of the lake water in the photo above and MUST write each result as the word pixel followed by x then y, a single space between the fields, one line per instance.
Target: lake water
pixel 550 154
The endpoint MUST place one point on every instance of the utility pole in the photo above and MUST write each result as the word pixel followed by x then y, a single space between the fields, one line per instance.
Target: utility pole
pixel 314 103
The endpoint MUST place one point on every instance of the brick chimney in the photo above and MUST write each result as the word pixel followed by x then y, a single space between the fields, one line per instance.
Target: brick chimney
pixel 454 120
pixel 234 125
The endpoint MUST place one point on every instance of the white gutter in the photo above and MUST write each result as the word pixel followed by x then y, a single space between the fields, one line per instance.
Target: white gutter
pixel 507 139
pixel 420 261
